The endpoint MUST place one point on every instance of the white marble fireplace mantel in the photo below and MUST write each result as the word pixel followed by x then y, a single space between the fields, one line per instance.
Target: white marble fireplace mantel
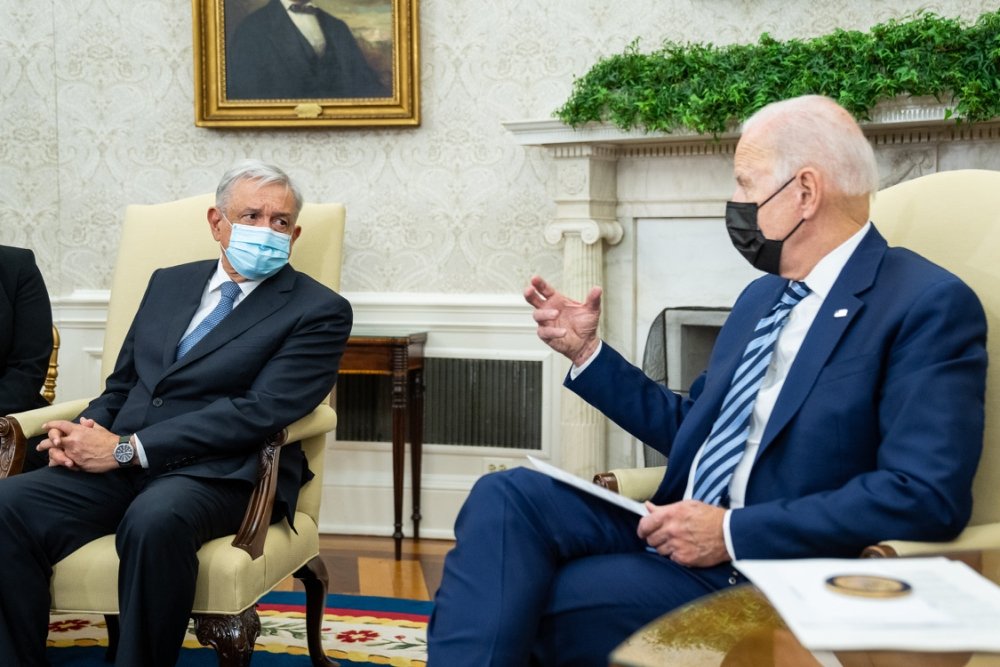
pixel 641 215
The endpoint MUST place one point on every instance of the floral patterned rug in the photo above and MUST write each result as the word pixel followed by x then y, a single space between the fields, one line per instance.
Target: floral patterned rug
pixel 358 631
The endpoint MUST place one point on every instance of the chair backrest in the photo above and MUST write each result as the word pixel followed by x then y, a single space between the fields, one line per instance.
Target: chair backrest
pixel 953 219
pixel 176 232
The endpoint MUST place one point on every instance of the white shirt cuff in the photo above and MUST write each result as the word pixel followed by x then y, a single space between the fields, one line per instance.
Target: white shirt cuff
pixel 574 371
pixel 727 536
pixel 140 452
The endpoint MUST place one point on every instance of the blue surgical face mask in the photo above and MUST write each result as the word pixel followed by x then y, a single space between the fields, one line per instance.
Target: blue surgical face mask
pixel 257 252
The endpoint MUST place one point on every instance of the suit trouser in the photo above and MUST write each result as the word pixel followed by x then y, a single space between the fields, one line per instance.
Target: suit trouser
pixel 544 574
pixel 160 522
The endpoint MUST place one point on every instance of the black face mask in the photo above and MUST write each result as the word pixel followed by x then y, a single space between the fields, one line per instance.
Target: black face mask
pixel 741 223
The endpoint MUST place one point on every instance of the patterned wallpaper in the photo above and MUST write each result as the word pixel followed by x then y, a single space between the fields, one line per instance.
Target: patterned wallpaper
pixel 96 111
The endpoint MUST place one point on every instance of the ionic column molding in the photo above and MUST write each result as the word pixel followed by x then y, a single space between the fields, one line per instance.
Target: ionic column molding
pixel 589 231
pixel 586 196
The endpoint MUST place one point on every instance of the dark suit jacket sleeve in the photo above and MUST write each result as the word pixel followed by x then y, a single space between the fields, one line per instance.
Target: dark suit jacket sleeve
pixel 927 437
pixel 105 407
pixel 26 339
pixel 627 396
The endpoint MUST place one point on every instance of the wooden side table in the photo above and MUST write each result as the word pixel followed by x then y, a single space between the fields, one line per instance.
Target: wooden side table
pixel 400 355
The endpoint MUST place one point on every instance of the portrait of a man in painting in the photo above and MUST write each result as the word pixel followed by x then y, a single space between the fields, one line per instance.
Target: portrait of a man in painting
pixel 308 49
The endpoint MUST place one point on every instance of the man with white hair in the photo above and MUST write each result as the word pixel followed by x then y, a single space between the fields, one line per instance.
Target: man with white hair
pixel 222 354
pixel 842 405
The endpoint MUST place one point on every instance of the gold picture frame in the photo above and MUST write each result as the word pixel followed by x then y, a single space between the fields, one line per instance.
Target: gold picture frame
pixel 370 78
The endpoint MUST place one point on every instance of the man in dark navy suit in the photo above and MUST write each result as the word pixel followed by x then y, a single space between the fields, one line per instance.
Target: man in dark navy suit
pixel 292 49
pixel 842 405
pixel 221 354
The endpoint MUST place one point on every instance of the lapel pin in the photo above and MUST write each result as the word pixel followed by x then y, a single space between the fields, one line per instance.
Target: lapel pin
pixel 841 313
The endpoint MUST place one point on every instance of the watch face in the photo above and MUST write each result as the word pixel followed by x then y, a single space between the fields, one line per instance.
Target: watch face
pixel 124 453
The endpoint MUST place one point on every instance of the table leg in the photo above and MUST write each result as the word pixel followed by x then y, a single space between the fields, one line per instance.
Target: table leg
pixel 398 446
pixel 416 443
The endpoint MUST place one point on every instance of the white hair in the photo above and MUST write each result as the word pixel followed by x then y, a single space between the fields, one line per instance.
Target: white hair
pixel 815 131
pixel 254 170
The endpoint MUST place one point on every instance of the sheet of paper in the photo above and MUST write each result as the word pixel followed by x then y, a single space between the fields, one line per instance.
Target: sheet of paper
pixel 950 607
pixel 588 487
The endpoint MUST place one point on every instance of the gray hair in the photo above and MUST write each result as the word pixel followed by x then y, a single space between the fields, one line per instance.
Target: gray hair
pixel 255 170
pixel 815 131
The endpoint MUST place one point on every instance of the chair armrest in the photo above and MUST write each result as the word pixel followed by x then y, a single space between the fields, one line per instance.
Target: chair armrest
pixel 973 538
pixel 15 430
pixel 253 531
pixel 635 483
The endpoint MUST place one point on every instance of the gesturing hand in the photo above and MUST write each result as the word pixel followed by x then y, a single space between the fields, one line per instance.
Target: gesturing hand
pixel 567 326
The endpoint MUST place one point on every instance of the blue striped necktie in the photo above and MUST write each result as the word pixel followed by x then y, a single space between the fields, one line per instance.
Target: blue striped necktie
pixel 230 290
pixel 725 444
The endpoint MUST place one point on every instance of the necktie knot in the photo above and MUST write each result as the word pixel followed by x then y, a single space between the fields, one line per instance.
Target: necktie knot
pixel 230 290
pixel 303 8
pixel 794 292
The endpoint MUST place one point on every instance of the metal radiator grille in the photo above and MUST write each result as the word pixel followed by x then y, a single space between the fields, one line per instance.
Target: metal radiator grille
pixel 468 402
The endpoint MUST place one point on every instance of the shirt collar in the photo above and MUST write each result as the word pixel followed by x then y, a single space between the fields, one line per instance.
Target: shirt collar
pixel 820 280
pixel 220 276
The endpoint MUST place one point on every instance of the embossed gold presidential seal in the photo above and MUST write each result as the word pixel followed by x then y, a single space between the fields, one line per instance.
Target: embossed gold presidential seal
pixel 867 585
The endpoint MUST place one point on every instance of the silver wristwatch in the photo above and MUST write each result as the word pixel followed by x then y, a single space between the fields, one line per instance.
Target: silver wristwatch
pixel 124 450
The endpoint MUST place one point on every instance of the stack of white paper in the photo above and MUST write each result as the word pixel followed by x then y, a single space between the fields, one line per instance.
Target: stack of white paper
pixel 950 606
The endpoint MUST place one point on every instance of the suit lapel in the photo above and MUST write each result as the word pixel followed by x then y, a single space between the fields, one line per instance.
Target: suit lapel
pixel 188 289
pixel 826 331
pixel 267 298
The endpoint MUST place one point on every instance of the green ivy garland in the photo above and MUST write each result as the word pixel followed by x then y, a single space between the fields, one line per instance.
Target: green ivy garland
pixel 709 89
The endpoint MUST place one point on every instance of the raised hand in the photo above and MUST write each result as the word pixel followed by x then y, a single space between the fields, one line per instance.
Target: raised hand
pixel 567 326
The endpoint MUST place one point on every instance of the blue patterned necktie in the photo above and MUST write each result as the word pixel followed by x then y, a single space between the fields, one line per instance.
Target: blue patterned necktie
pixel 728 438
pixel 230 291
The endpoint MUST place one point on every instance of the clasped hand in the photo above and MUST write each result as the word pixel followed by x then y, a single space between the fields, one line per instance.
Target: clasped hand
pixel 567 326
pixel 86 446
pixel 688 532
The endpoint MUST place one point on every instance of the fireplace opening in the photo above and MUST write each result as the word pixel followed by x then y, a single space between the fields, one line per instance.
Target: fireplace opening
pixel 678 345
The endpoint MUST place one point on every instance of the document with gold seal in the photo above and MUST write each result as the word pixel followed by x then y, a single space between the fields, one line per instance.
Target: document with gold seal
pixel 915 604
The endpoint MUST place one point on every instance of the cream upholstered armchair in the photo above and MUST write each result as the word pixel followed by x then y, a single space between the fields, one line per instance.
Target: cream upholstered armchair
pixel 953 219
pixel 234 571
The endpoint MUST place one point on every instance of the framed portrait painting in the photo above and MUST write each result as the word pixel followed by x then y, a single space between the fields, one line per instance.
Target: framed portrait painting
pixel 306 63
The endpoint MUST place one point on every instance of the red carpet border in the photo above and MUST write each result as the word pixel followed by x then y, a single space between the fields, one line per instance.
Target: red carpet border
pixel 358 631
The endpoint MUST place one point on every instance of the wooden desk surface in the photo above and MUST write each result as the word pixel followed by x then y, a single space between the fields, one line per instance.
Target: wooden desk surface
pixel 738 627
pixel 383 352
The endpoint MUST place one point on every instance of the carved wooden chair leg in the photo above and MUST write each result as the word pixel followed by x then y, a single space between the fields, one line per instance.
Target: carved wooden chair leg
pixel 232 637
pixel 114 631
pixel 316 581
